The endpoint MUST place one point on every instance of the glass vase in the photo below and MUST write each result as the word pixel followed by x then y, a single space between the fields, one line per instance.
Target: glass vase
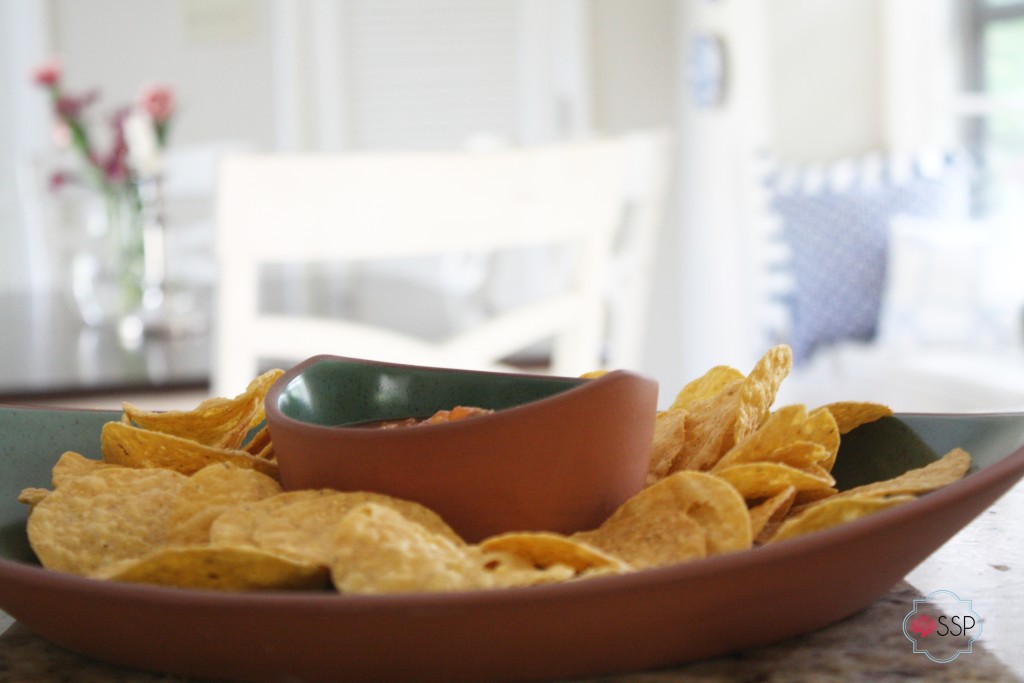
pixel 108 265
pixel 119 276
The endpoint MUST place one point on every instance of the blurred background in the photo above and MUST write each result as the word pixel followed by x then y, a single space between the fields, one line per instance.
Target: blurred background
pixel 847 175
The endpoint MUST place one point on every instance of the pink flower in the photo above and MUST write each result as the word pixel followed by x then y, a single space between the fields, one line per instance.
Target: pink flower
pixel 115 166
pixel 158 102
pixel 48 73
pixel 110 170
pixel 71 107
pixel 59 179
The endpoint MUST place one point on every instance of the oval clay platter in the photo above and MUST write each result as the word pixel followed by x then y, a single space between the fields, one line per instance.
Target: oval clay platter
pixel 600 626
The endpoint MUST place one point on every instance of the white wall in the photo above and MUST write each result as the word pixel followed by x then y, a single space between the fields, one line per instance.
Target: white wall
pixel 217 55
pixel 716 149
pixel 922 72
pixel 636 72
pixel 826 70
pixel 24 124
pixel 634 67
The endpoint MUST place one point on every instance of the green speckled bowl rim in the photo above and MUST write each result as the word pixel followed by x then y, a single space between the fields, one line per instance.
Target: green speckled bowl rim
pixel 347 393
pixel 601 626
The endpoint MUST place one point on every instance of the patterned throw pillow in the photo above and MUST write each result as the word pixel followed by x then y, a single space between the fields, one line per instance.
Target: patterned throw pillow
pixel 838 237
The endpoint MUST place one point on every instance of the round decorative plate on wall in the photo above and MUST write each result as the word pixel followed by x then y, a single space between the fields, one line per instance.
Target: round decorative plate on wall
pixel 706 70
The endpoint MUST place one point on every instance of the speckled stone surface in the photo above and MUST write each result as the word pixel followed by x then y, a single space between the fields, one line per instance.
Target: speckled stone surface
pixel 983 563
pixel 869 647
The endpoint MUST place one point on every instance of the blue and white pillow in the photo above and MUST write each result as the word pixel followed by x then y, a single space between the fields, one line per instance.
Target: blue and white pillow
pixel 836 226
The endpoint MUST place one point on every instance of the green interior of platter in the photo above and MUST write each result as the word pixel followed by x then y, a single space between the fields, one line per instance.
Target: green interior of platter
pixel 31 441
pixel 893 445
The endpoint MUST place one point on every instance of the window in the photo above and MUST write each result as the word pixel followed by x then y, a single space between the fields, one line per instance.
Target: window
pixel 995 80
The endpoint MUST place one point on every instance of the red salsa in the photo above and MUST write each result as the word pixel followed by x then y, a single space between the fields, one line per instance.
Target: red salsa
pixel 456 413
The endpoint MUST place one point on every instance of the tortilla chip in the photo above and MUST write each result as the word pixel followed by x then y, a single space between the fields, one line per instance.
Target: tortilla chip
pixel 669 442
pixel 128 446
pixel 708 422
pixel 378 550
pixel 766 516
pixel 949 468
pixel 96 519
pixel 766 479
pixel 72 465
pixel 776 439
pixel 710 384
pixel 543 550
pixel 851 414
pixel 218 568
pixel 216 422
pixel 834 512
pixel 32 496
pixel 684 516
pixel 207 494
pixel 781 428
pixel 759 390
pixel 302 526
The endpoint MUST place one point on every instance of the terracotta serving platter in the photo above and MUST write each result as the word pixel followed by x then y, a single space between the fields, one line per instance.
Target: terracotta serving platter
pixel 594 627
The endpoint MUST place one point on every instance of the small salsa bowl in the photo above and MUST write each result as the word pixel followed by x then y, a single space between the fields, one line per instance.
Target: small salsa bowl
pixel 557 454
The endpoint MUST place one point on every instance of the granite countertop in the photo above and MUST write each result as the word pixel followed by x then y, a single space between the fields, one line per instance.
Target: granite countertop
pixel 984 563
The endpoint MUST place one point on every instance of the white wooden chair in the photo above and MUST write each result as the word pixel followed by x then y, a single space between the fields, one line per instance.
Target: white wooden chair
pixel 361 207
pixel 648 174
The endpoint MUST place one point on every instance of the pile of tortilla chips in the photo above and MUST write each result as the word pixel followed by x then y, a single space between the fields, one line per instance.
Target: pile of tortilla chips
pixel 191 499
